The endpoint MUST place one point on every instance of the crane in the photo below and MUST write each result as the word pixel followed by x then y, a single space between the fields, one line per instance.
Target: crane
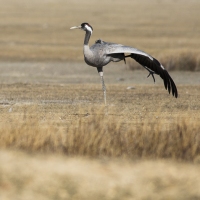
pixel 101 53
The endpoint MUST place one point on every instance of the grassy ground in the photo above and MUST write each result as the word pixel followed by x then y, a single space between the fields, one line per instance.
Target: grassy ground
pixel 98 132
pixel 75 148
pixel 59 141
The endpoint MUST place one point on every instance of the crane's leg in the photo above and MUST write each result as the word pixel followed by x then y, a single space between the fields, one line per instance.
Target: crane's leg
pixel 100 71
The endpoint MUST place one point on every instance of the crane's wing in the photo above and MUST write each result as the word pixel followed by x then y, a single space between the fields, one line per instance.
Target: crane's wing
pixel 147 61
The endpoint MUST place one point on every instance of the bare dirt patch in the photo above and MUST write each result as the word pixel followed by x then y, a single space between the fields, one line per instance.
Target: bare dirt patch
pixel 59 87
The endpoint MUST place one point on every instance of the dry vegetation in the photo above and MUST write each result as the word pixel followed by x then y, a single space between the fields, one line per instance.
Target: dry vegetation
pixel 127 157
pixel 58 141
pixel 28 176
pixel 78 149
pixel 99 134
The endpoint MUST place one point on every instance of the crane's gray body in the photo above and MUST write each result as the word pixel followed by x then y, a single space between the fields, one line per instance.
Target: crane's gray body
pixel 101 53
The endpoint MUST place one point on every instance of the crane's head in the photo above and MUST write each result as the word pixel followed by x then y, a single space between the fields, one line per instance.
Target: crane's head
pixel 84 26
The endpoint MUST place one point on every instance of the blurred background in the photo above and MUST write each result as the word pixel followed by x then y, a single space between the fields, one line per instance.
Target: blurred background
pixel 39 30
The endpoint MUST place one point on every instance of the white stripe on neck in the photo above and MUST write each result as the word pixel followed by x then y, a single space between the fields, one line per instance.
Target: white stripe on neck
pixel 88 28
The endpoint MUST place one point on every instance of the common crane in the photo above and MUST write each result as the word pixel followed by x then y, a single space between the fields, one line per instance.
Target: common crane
pixel 101 53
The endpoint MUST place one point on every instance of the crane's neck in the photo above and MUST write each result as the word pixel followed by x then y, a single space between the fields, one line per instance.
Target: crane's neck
pixel 88 54
pixel 87 37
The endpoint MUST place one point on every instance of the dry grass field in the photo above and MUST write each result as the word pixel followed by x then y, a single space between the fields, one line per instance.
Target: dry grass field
pixel 39 30
pixel 59 141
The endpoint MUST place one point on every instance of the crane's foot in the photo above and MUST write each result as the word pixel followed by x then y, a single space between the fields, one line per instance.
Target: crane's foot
pixel 151 73
pixel 125 60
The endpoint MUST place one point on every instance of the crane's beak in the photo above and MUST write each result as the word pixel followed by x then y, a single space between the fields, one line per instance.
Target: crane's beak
pixel 75 27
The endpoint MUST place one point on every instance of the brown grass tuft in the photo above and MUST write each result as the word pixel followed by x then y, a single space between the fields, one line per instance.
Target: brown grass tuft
pixel 183 61
pixel 102 135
